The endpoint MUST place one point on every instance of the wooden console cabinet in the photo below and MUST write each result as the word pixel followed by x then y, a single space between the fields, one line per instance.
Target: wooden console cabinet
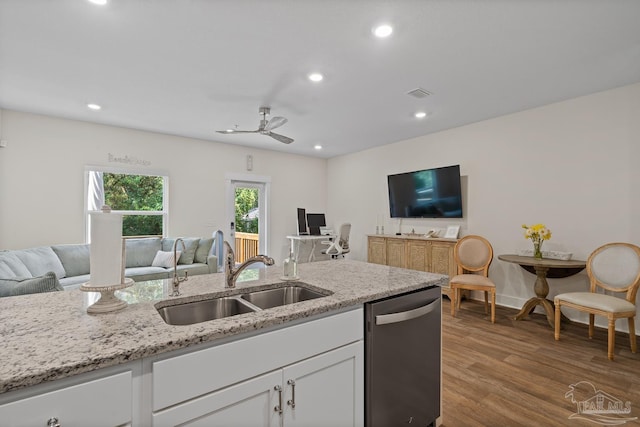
pixel 433 255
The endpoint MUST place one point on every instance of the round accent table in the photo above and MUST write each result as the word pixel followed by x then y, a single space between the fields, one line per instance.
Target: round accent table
pixel 543 268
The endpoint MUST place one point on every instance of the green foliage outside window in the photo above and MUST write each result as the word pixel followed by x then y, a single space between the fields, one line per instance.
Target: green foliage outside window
pixel 246 216
pixel 125 192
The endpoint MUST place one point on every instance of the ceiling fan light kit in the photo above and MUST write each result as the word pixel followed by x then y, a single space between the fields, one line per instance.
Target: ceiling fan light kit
pixel 266 126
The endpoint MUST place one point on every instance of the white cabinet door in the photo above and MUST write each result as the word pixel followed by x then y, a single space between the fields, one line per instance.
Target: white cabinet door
pixel 326 390
pixel 102 402
pixel 249 403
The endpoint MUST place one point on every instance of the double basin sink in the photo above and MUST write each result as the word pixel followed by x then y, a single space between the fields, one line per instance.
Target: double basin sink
pixel 226 306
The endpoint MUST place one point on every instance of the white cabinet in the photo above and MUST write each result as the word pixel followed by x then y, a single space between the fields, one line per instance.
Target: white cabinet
pixel 325 390
pixel 103 402
pixel 311 373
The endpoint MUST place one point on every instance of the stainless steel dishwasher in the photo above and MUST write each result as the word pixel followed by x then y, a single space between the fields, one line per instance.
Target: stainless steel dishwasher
pixel 402 363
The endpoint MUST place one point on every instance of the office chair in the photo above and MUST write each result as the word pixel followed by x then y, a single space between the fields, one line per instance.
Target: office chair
pixel 339 246
pixel 613 268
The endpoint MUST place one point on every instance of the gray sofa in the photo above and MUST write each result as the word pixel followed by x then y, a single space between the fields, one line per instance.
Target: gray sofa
pixel 26 270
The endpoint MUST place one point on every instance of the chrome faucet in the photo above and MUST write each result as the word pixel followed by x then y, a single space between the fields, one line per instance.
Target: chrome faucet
pixel 231 273
pixel 177 279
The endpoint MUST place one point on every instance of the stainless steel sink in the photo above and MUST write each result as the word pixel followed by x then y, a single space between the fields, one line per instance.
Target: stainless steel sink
pixel 201 311
pixel 280 296
pixel 220 307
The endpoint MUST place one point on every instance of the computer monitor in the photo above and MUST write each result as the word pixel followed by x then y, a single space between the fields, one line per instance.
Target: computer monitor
pixel 314 222
pixel 302 222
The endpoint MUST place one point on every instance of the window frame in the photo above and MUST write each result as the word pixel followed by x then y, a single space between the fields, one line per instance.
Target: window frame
pixel 127 171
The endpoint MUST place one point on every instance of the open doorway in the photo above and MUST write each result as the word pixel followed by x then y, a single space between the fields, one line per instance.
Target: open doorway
pixel 247 216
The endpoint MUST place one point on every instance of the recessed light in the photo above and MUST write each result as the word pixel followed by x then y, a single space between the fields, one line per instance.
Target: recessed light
pixel 99 2
pixel 316 77
pixel 229 130
pixel 94 107
pixel 383 31
pixel 420 115
pixel 318 147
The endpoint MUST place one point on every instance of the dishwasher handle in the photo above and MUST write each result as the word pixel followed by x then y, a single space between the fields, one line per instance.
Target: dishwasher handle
pixel 385 319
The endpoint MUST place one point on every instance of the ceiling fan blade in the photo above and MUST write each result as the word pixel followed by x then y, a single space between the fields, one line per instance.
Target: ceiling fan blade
pixel 280 138
pixel 236 131
pixel 275 122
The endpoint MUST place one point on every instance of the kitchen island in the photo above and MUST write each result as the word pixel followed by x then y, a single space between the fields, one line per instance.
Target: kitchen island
pixel 49 340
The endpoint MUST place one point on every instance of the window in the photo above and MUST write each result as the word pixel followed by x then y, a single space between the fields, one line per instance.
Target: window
pixel 141 198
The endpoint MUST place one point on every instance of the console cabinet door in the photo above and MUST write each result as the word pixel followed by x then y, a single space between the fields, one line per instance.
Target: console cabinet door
pixel 326 390
pixel 377 250
pixel 249 403
pixel 396 253
pixel 442 261
pixel 418 255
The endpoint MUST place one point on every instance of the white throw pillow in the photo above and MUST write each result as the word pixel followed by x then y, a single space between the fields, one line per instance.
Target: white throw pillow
pixel 164 259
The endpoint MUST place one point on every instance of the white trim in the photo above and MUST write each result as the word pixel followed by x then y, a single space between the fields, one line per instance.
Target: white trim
pixel 246 177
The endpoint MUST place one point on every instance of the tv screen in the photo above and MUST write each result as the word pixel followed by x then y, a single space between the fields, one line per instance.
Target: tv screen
pixel 429 193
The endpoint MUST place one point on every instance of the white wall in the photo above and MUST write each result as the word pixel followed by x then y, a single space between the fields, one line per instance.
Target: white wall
pixel 42 173
pixel 572 165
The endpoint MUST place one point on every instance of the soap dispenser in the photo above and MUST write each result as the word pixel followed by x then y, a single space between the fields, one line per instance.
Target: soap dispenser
pixel 290 266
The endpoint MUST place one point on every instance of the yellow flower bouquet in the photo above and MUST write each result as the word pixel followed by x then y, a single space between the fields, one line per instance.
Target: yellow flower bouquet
pixel 538 233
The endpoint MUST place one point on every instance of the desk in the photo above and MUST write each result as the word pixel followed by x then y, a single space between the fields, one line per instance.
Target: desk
pixel 308 238
pixel 543 268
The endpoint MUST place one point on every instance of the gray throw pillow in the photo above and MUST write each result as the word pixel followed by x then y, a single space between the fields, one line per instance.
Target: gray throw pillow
pixel 203 251
pixel 188 252
pixel 30 285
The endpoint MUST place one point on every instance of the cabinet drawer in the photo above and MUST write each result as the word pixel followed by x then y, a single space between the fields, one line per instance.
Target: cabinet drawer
pixel 184 377
pixel 105 402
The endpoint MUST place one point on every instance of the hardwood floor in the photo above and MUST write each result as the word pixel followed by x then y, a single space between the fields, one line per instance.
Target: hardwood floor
pixel 513 373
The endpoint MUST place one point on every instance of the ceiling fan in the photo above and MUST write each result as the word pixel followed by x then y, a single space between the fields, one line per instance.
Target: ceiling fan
pixel 266 127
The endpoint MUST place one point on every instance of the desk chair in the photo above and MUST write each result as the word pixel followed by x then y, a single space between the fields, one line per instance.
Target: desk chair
pixel 614 267
pixel 339 246
pixel 473 255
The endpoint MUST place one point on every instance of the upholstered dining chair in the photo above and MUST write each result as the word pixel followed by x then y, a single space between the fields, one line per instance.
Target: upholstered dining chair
pixel 612 268
pixel 473 255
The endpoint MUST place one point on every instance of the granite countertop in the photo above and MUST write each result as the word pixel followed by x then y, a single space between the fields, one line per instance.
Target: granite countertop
pixel 51 336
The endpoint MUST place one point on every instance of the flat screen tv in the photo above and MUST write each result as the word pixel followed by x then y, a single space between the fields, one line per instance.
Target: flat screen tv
pixel 429 193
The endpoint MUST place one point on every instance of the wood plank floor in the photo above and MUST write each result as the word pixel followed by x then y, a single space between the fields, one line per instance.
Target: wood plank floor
pixel 513 373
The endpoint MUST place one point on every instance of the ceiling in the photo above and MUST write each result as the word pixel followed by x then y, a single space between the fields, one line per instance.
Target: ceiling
pixel 192 67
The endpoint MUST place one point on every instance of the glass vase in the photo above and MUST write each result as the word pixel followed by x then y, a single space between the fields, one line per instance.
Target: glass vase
pixel 537 250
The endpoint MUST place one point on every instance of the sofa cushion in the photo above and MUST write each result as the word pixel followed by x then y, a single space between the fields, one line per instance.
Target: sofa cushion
pixel 164 259
pixel 48 282
pixel 12 266
pixel 193 269
pixel 40 261
pixel 74 282
pixel 140 252
pixel 189 251
pixel 74 258
pixel 140 274
pixel 203 251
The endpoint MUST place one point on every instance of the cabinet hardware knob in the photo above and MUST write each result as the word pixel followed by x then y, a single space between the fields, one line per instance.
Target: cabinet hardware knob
pixel 53 422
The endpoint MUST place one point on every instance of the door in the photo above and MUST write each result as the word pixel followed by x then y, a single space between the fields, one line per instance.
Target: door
pixel 326 390
pixel 247 214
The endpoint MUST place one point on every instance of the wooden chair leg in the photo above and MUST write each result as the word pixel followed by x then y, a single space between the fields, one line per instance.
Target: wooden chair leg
pixel 591 323
pixel 486 302
pixel 458 297
pixel 556 331
pixel 612 338
pixel 452 295
pixel 632 334
pixel 493 306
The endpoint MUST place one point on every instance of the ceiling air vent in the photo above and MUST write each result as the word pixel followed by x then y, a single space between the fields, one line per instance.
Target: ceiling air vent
pixel 418 93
